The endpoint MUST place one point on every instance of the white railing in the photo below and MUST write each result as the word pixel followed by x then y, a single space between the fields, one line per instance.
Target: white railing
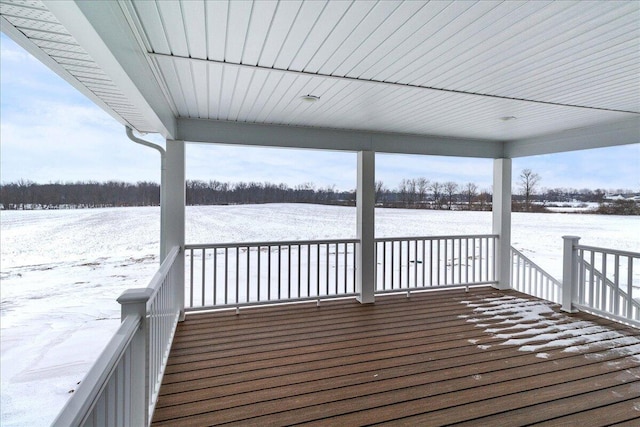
pixel 413 263
pixel 122 386
pixel 602 281
pixel 529 278
pixel 242 274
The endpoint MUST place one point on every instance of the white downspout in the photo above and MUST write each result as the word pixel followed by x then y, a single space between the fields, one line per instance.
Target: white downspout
pixel 163 216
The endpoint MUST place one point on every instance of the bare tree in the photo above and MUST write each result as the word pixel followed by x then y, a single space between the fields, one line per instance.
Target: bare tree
pixel 470 191
pixel 528 182
pixel 450 189
pixel 422 185
pixel 411 190
pixel 483 198
pixel 380 190
pixel 403 189
pixel 436 190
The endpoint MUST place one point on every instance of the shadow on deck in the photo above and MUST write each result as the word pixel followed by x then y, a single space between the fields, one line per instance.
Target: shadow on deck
pixel 483 357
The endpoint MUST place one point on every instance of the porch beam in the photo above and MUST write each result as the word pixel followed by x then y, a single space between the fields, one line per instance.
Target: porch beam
pixel 610 134
pixel 227 132
pixel 502 221
pixel 173 206
pixel 365 208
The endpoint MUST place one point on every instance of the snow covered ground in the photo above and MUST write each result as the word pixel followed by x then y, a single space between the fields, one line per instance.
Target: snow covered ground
pixel 61 272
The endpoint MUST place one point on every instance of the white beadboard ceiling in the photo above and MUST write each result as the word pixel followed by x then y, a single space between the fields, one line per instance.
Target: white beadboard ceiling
pixel 452 69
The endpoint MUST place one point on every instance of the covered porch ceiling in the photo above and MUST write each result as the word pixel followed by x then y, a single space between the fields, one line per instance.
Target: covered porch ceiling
pixel 480 79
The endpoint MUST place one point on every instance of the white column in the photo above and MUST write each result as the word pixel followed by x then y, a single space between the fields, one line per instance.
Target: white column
pixel 174 209
pixel 365 208
pixel 502 220
pixel 569 272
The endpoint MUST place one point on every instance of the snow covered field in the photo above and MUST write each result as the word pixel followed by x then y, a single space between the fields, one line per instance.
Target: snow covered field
pixel 61 272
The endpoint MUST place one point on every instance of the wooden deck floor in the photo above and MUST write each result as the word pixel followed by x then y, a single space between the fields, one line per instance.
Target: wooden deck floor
pixel 480 358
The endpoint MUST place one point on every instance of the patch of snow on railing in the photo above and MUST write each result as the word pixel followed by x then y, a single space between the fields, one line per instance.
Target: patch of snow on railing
pixel 534 326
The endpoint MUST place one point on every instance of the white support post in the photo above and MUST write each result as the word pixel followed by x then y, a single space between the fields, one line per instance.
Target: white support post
pixel 501 208
pixel 569 273
pixel 365 207
pixel 134 302
pixel 174 209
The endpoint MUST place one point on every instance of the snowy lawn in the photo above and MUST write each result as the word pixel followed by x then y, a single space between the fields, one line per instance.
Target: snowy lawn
pixel 62 271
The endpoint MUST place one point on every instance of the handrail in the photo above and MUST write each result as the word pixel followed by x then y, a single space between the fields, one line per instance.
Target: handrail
pixel 268 243
pixel 122 386
pixel 161 274
pixel 454 236
pixel 78 409
pixel 608 251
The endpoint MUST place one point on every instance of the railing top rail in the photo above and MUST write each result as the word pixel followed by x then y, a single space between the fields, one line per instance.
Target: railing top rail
pixel 156 280
pixel 92 385
pixel 461 236
pixel 272 243
pixel 609 251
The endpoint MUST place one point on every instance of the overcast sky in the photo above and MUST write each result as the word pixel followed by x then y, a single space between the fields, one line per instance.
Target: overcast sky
pixel 50 132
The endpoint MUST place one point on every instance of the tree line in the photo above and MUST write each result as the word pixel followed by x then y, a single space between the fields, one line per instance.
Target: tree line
pixel 416 193
pixel 29 195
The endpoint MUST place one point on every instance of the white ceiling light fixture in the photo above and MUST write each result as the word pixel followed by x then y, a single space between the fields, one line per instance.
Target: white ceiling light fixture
pixel 508 118
pixel 310 98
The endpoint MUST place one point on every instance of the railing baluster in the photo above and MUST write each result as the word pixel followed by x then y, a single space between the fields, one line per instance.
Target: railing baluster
pixel 269 273
pixel 629 298
pixel 327 251
pixel 237 276
pixel 279 271
pixel 355 257
pixel 424 261
pixel 345 267
pixel 226 275
pixel 616 282
pixel 204 260
pixel 248 272
pixel 603 289
pixel 446 244
pixel 437 262
pixel 399 264
pixel 430 262
pixel 459 260
pixel 336 284
pixel 289 271
pixel 384 264
pixel 215 276
pixel 393 258
pixel 486 259
pixel 592 279
pixel 259 254
pixel 299 271
pixel 191 277
pixel 309 270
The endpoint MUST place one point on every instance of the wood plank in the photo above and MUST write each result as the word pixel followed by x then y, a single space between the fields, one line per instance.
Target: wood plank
pixel 427 360
pixel 556 412
pixel 625 413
